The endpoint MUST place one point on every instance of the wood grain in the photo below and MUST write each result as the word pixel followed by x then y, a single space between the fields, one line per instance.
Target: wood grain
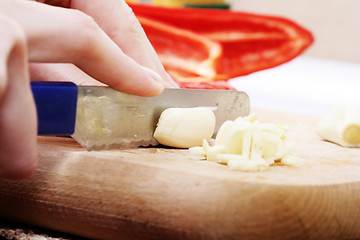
pixel 158 193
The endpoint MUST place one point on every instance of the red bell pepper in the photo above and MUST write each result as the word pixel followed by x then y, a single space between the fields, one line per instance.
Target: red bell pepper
pixel 206 85
pixel 209 44
pixel 187 56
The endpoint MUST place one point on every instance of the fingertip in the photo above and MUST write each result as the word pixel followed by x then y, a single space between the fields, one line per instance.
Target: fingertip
pixel 153 86
pixel 152 90
pixel 153 75
pixel 3 81
pixel 18 170
pixel 167 81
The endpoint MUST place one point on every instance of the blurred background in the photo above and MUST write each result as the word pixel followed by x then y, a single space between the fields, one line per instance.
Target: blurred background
pixel 327 74
pixel 335 24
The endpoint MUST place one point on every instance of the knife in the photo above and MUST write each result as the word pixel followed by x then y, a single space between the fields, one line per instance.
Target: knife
pixel 103 118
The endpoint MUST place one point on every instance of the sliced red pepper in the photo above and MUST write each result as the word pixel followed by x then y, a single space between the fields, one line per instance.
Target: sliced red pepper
pixel 187 56
pixel 249 42
pixel 206 85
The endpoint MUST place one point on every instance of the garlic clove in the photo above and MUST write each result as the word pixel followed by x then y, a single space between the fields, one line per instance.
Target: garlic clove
pixel 351 134
pixel 185 127
pixel 341 125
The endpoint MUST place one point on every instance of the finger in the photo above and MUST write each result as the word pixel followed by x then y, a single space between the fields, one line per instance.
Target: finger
pixel 61 72
pixel 118 21
pixel 68 36
pixel 18 154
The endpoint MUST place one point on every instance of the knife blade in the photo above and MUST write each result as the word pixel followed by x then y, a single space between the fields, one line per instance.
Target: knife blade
pixel 102 118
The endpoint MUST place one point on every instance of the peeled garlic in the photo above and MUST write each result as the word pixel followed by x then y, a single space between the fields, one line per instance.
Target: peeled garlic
pixel 248 145
pixel 341 125
pixel 185 127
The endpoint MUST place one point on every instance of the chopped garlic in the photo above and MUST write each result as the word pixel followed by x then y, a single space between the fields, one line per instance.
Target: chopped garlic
pixel 246 144
pixel 341 125
pixel 185 127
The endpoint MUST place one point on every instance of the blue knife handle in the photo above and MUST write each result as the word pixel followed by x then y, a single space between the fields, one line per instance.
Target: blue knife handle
pixel 56 107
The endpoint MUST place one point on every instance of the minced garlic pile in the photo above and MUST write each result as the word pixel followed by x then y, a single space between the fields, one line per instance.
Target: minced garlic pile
pixel 248 145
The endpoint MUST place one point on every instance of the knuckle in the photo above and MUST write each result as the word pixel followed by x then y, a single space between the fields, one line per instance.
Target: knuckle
pixel 130 23
pixel 85 27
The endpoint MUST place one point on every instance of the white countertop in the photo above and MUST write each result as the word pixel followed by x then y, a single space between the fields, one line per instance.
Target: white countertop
pixel 303 85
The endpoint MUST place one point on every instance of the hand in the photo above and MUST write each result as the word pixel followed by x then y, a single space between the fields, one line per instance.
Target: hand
pixel 101 41
pixel 71 36
pixel 117 20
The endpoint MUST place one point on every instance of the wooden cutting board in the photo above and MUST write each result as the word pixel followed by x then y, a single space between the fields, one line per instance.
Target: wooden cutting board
pixel 158 193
